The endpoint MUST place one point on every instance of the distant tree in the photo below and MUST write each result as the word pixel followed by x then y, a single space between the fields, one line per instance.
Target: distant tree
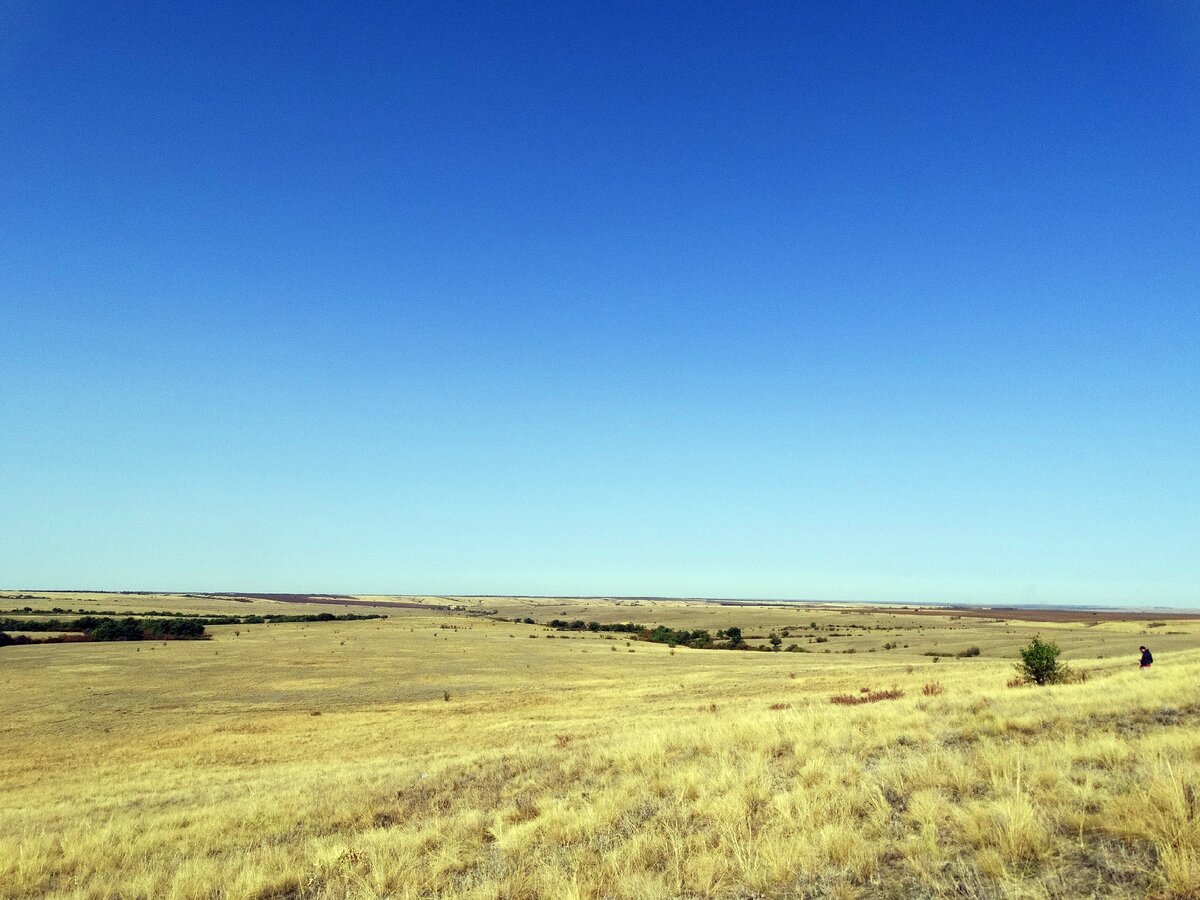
pixel 1039 663
pixel 776 641
pixel 734 635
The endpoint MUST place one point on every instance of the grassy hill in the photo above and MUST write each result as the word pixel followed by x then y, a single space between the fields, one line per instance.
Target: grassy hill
pixel 441 754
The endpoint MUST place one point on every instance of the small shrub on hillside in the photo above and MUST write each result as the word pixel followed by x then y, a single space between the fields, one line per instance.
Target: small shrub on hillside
pixel 933 688
pixel 970 651
pixel 1039 663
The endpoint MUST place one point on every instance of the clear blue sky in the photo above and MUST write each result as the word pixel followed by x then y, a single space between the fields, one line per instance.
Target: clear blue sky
pixel 881 301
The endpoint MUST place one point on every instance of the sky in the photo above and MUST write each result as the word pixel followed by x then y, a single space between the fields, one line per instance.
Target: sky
pixel 880 301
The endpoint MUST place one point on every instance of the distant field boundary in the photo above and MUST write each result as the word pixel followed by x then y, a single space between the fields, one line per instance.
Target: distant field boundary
pixel 1046 615
pixel 330 600
pixel 1012 613
pixel 995 612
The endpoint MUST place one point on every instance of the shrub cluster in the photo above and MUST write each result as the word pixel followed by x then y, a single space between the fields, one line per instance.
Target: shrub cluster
pixel 179 627
pixel 701 639
pixel 128 629
pixel 92 628
pixel 580 625
pixel 661 634
pixel 83 623
pixel 172 629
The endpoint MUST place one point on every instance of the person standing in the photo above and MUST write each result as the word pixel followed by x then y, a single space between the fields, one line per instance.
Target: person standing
pixel 1147 659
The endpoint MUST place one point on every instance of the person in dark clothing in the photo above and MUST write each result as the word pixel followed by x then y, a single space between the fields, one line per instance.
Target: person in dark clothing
pixel 1147 659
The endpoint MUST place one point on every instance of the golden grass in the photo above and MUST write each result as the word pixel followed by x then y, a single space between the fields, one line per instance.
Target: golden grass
pixel 558 768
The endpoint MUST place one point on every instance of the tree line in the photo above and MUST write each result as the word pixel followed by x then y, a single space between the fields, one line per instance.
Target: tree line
pixel 178 627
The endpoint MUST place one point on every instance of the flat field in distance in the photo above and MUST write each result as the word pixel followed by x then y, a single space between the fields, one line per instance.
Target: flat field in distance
pixel 444 752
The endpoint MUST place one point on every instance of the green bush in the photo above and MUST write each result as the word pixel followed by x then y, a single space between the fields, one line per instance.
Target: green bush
pixel 1039 663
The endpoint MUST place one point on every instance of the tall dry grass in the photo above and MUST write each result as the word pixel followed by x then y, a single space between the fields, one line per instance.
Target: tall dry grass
pixel 560 769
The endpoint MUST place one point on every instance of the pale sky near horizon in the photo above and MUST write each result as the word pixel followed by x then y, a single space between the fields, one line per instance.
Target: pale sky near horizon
pixel 822 300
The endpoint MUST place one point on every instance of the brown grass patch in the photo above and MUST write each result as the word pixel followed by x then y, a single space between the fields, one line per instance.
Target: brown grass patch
pixel 872 697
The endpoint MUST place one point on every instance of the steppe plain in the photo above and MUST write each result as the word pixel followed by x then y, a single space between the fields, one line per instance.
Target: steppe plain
pixel 449 751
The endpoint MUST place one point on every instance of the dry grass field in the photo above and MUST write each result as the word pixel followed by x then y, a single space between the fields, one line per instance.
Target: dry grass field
pixel 443 753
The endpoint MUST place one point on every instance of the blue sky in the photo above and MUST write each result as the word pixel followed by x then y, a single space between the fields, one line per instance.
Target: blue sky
pixel 841 301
